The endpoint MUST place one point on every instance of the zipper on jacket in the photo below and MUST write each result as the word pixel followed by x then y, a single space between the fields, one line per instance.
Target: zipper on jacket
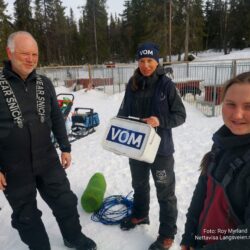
pixel 144 84
pixel 25 86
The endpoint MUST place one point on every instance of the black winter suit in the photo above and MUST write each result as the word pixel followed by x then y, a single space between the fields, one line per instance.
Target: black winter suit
pixel 156 96
pixel 30 162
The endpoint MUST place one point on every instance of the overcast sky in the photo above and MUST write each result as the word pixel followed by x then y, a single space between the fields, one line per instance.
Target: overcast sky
pixel 113 6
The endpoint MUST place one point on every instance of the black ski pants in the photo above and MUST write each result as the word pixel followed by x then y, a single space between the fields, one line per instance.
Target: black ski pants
pixel 30 164
pixel 162 170
pixel 54 188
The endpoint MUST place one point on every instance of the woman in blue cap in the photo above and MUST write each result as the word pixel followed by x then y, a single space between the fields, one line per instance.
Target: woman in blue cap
pixel 152 96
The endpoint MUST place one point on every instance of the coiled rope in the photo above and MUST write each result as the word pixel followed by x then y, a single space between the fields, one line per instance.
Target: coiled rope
pixel 114 208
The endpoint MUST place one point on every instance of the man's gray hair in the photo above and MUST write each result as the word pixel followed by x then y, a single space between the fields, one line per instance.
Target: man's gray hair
pixel 11 38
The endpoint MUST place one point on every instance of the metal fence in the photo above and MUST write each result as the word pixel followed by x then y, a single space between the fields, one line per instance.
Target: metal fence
pixel 199 83
pixel 110 80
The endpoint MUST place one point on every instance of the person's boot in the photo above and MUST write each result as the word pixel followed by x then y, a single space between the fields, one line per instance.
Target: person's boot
pixel 131 222
pixel 81 243
pixel 162 243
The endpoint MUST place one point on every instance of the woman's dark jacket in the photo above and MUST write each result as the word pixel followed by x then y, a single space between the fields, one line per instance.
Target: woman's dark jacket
pixel 229 151
pixel 156 96
pixel 34 133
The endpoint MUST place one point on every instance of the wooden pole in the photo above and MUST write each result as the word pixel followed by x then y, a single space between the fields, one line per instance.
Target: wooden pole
pixel 187 31
pixel 170 29
pixel 90 84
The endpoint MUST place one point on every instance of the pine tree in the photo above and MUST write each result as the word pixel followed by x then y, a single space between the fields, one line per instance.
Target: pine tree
pixel 238 24
pixel 94 31
pixel 126 33
pixel 214 24
pixel 197 26
pixel 178 31
pixel 51 31
pixel 40 30
pixel 23 15
pixel 157 26
pixel 6 28
pixel 140 13
pixel 73 52
pixel 115 44
pixel 60 33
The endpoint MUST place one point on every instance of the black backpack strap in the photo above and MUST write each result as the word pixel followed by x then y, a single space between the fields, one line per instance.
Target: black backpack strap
pixel 235 166
pixel 213 153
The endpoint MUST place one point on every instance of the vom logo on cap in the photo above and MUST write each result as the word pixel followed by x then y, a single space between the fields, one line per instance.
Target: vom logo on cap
pixel 148 49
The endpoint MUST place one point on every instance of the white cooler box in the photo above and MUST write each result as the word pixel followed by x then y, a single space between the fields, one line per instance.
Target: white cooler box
pixel 134 139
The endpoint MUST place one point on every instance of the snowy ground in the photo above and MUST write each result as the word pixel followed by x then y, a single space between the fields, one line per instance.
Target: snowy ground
pixel 192 140
pixel 216 56
pixel 234 54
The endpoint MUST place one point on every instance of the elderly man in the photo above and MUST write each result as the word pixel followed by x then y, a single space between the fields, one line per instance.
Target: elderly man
pixel 28 159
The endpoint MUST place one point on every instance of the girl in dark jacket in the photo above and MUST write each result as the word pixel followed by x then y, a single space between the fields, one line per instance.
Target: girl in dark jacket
pixel 219 214
pixel 151 96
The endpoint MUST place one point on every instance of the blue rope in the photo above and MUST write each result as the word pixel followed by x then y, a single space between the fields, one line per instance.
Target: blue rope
pixel 114 208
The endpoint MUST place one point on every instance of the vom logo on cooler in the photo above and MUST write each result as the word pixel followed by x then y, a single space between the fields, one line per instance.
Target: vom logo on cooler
pixel 125 137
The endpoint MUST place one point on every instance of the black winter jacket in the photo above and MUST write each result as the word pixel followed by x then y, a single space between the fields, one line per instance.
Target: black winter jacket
pixel 228 147
pixel 156 96
pixel 25 92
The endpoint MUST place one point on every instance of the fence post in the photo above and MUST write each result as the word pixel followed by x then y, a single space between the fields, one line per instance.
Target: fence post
pixel 105 82
pixel 119 70
pixel 112 73
pixel 214 92
pixel 187 69
pixel 234 68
